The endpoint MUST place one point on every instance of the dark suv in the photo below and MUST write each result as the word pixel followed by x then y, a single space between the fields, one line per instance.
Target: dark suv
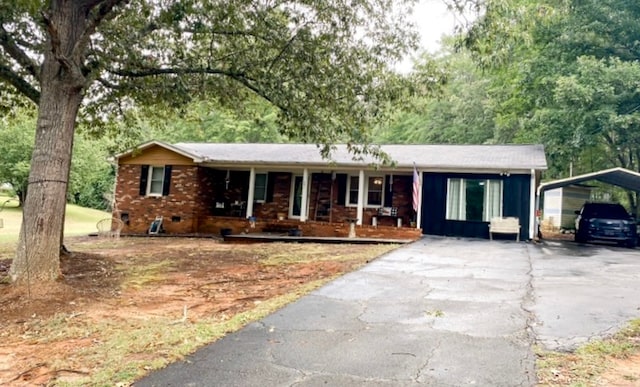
pixel 606 222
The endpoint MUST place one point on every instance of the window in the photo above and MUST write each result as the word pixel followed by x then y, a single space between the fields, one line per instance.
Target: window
pixel 374 188
pixel 156 181
pixel 260 188
pixel 374 191
pixel 474 199
pixel 352 191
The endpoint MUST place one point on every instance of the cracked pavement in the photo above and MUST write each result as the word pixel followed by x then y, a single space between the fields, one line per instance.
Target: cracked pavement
pixel 438 312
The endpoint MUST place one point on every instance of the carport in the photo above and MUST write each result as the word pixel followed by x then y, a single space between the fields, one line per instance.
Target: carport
pixel 620 177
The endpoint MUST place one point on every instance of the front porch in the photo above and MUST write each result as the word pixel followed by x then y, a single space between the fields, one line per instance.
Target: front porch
pixel 317 203
pixel 263 228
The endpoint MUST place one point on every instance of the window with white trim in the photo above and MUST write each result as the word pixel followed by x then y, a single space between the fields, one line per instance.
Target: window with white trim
pixel 373 188
pixel 260 188
pixel 473 199
pixel 156 181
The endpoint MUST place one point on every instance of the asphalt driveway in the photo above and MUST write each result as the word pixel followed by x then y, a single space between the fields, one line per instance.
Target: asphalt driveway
pixel 583 292
pixel 440 312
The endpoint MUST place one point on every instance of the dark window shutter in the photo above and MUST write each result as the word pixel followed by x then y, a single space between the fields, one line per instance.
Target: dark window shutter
pixel 341 178
pixel 144 175
pixel 271 182
pixel 388 193
pixel 166 182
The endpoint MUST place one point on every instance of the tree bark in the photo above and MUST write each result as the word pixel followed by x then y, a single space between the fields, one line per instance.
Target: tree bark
pixel 38 254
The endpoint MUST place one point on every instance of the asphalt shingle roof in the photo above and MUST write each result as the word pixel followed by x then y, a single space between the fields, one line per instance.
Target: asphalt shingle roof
pixel 466 157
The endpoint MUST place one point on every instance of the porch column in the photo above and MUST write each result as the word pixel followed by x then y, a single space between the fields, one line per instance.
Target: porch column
pixel 252 189
pixel 304 202
pixel 533 208
pixel 361 194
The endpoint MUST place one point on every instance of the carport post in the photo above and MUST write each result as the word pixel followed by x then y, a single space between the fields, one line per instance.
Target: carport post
pixel 535 204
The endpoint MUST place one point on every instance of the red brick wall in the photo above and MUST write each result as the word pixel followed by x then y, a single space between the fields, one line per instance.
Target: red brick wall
pixel 180 209
pixel 280 203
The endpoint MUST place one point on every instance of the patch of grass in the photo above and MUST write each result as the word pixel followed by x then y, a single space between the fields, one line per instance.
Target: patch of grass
pixel 584 366
pixel 11 216
pixel 434 313
pixel 78 221
pixel 139 276
pixel 284 254
pixel 62 326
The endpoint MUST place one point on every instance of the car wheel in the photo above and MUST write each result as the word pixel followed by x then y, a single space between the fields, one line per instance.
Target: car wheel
pixel 631 243
pixel 578 237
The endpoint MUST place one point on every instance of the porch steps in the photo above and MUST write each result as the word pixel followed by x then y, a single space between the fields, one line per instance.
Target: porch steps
pixel 266 237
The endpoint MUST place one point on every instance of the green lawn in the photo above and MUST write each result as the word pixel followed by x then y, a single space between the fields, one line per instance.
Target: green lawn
pixel 78 220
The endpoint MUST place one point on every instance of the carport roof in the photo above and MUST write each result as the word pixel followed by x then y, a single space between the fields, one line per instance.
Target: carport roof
pixel 616 176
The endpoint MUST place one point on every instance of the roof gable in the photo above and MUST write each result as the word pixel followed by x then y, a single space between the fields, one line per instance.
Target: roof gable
pixel 143 153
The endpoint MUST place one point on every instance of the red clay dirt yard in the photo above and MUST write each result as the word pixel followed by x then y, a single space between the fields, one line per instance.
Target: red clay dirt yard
pixel 127 306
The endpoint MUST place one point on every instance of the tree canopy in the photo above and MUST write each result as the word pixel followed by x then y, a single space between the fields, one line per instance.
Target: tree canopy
pixel 562 73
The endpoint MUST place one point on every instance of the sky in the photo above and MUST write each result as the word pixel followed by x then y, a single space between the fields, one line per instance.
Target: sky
pixel 433 20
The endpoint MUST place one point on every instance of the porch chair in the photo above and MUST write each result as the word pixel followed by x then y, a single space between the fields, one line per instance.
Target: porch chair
pixel 237 209
pixel 109 227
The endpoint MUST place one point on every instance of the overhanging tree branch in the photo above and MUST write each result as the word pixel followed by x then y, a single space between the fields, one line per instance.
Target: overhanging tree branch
pixel 239 77
pixel 10 46
pixel 175 71
pixel 104 10
pixel 108 84
pixel 20 84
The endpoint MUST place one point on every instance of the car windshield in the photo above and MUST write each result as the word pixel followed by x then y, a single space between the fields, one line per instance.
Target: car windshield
pixel 606 211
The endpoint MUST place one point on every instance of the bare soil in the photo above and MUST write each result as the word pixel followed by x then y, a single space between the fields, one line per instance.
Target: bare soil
pixel 47 333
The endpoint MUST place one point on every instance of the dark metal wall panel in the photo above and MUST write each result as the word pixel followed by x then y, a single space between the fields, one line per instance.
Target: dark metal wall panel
pixel 516 202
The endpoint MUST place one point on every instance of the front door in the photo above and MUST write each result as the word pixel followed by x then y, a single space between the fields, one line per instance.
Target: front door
pixel 295 207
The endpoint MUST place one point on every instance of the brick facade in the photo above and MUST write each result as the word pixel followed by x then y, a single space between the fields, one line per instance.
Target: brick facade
pixel 203 200
pixel 180 209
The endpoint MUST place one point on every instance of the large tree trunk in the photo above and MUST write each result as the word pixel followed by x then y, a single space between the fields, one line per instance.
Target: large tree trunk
pixel 38 254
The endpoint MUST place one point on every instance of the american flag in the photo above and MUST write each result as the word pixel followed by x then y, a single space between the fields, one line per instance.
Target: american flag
pixel 416 188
